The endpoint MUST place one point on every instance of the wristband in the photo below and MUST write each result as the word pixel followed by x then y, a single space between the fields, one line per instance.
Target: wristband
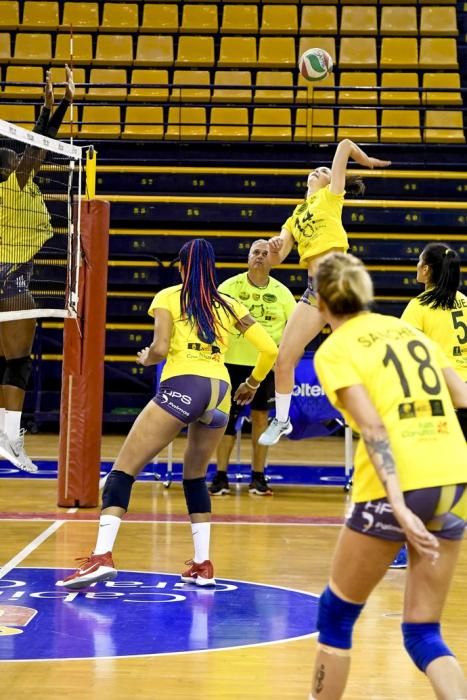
pixel 253 388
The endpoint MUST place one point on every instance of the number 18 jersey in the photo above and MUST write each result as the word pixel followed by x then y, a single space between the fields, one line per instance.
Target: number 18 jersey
pixel 401 370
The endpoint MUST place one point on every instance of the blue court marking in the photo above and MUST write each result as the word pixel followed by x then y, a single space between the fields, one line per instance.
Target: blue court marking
pixel 142 614
pixel 317 475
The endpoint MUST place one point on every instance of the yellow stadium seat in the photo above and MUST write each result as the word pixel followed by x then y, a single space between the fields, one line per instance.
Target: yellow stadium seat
pixel 400 126
pixel 237 52
pixel 399 21
pixel 191 77
pixel 33 48
pixel 199 19
pixel 319 92
pixel 271 124
pixel 40 16
pixel 82 49
pixel 276 52
pixel 9 15
pixel 5 47
pixel 195 51
pixel 154 50
pixel 232 86
pixel 451 81
pixel 82 16
pixel 437 2
pixel 100 122
pixel 397 2
pixel 140 76
pixel 107 75
pixel 240 19
pixel 399 53
pixel 444 127
pixel 318 19
pixel 358 52
pixel 144 123
pixel 320 2
pixel 21 115
pixel 274 79
pixel 328 43
pixel 186 123
pixel 358 125
pixel 119 17
pixel 400 80
pixel 438 21
pixel 159 18
pixel 114 50
pixel 228 124
pixel 439 54
pixel 358 97
pixel 79 77
pixel 359 21
pixel 279 19
pixel 283 2
pixel 240 1
pixel 358 2
pixel 24 74
pixel 314 125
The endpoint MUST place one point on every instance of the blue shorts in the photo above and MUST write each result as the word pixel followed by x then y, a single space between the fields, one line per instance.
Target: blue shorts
pixel 309 295
pixel 443 510
pixel 191 399
pixel 14 279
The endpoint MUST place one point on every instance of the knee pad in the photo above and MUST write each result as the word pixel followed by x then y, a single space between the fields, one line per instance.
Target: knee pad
pixel 197 495
pixel 117 490
pixel 17 372
pixel 424 643
pixel 2 368
pixel 233 417
pixel 336 620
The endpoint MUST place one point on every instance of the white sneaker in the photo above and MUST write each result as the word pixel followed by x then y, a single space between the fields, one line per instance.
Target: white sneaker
pixel 14 452
pixel 275 430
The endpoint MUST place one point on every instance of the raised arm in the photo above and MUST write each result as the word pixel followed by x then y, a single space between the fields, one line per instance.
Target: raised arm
pixel 346 150
pixel 457 388
pixel 160 346
pixel 267 353
pixel 357 403
pixel 280 246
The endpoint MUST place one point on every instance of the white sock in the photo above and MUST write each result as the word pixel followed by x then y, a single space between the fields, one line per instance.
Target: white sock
pixel 12 424
pixel 201 536
pixel 108 531
pixel 2 419
pixel 283 406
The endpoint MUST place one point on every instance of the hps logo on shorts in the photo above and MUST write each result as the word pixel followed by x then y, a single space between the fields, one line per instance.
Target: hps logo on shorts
pixel 143 613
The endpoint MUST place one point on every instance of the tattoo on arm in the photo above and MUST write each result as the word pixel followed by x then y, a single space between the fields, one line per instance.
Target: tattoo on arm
pixel 319 679
pixel 381 455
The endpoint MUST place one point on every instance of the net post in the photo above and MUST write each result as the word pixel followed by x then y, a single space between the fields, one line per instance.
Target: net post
pixel 83 367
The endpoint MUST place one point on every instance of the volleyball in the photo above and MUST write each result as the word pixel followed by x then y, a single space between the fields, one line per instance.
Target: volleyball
pixel 315 64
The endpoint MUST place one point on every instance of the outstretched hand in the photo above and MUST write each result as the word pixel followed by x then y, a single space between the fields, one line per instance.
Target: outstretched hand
pixel 70 85
pixel 48 91
pixel 244 394
pixel 142 357
pixel 377 163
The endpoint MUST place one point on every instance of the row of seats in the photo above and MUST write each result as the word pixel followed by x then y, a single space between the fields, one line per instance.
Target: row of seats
pixel 237 86
pixel 237 19
pixel 200 51
pixel 279 124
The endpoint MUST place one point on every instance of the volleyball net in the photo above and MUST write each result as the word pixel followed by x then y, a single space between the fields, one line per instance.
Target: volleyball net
pixel 40 194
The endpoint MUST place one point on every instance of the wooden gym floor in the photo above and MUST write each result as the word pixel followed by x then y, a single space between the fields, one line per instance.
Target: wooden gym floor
pixel 284 542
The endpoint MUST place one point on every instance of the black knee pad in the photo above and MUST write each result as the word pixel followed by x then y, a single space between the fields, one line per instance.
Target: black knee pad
pixel 197 495
pixel 17 372
pixel 117 490
pixel 2 368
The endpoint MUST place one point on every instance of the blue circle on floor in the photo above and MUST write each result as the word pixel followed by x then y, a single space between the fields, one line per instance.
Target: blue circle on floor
pixel 143 613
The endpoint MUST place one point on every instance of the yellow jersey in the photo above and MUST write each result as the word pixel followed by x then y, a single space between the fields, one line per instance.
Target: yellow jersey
pixel 316 224
pixel 400 369
pixel 24 220
pixel 187 353
pixel 271 306
pixel 447 327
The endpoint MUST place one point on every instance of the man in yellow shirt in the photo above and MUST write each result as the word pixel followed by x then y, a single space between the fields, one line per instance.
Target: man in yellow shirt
pixel 270 303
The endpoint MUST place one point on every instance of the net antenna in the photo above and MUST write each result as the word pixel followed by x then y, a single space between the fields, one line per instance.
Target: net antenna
pixel 39 226
pixel 74 215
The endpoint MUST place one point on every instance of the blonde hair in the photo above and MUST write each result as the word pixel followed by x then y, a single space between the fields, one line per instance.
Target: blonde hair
pixel 343 284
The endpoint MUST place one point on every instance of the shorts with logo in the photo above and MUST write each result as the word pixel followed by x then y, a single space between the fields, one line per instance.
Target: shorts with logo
pixel 14 279
pixel 309 295
pixel 263 399
pixel 191 398
pixel 443 510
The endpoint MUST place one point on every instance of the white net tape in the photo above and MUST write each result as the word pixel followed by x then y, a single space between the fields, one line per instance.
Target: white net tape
pixel 40 191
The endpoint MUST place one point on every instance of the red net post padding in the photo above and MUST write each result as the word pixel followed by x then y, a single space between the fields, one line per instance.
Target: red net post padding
pixel 83 367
